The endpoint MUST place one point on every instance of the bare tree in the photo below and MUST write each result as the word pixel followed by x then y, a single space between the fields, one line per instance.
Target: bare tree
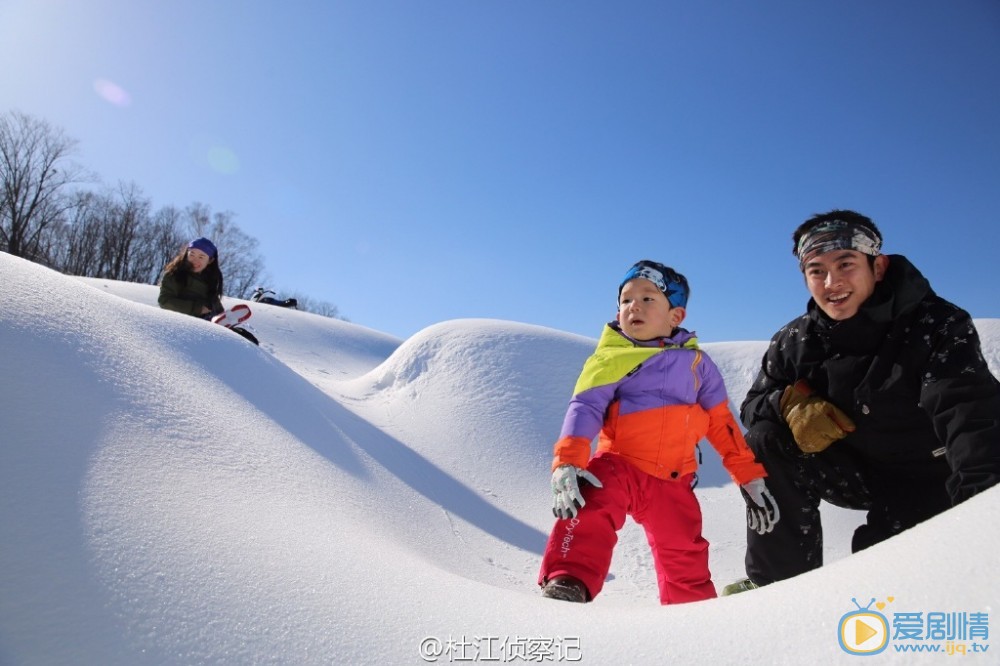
pixel 113 235
pixel 165 240
pixel 34 170
pixel 77 236
pixel 126 225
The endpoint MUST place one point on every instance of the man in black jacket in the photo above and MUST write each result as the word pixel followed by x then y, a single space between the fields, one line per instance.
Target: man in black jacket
pixel 878 399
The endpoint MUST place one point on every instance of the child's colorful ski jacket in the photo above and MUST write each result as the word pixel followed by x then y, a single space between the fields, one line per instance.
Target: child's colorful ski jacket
pixel 651 403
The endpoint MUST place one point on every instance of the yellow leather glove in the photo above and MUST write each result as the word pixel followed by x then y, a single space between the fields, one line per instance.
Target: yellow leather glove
pixel 815 423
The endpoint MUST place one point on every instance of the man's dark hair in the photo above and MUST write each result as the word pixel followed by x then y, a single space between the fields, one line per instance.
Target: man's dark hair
pixel 845 215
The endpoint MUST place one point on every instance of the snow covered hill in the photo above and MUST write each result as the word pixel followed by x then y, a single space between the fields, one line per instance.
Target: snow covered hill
pixel 170 494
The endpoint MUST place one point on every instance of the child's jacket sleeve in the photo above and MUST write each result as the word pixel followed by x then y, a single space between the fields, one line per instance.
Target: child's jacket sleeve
pixel 724 432
pixel 725 437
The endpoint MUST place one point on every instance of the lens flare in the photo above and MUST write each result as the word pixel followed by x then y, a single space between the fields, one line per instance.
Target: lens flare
pixel 112 92
pixel 213 152
pixel 223 160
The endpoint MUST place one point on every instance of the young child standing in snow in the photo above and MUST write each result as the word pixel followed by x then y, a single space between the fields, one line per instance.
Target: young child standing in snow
pixel 651 394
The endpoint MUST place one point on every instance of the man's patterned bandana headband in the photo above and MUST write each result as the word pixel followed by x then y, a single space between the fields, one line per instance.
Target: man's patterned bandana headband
pixel 837 235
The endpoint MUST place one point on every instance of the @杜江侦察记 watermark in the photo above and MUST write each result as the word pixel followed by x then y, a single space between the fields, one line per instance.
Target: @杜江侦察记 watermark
pixel 866 631
pixel 501 649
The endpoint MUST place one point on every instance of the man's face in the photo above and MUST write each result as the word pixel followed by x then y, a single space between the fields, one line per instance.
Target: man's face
pixel 841 280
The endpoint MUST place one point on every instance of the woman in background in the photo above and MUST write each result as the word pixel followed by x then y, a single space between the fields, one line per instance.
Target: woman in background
pixel 192 281
pixel 192 284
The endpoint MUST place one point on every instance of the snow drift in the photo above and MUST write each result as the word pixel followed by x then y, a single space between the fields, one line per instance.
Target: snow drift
pixel 170 494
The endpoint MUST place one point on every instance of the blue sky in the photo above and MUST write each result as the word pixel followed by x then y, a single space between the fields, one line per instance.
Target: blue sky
pixel 418 161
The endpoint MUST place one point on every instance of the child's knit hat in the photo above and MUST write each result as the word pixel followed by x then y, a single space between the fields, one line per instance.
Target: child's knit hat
pixel 673 285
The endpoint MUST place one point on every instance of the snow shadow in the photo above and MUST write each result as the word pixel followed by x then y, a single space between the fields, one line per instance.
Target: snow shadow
pixel 432 482
pixel 330 429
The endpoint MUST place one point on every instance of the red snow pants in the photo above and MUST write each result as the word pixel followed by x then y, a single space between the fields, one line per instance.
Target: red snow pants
pixel 668 511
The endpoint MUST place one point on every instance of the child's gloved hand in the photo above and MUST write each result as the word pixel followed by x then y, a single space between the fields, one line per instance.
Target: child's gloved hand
pixel 567 499
pixel 762 510
pixel 815 423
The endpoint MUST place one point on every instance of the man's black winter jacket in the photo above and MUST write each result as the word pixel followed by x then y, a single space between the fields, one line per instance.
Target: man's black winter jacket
pixel 908 368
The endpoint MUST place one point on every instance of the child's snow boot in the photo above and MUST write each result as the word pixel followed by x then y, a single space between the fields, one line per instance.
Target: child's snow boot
pixel 565 588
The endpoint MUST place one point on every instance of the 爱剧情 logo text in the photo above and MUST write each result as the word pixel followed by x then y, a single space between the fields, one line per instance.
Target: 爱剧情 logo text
pixel 867 631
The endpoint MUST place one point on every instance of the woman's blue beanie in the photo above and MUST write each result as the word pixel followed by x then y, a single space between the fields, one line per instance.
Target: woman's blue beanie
pixel 205 246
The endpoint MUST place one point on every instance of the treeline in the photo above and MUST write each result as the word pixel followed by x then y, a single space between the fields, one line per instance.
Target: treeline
pixel 114 232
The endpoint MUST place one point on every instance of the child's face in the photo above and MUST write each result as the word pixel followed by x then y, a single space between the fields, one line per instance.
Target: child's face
pixel 645 313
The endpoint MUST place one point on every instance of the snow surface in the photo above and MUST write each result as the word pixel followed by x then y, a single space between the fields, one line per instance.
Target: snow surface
pixel 170 494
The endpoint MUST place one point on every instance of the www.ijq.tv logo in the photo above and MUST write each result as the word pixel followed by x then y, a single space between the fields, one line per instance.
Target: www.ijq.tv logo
pixel 864 631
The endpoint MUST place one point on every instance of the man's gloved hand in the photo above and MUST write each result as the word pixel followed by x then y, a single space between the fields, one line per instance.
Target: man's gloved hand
pixel 762 510
pixel 567 499
pixel 815 422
